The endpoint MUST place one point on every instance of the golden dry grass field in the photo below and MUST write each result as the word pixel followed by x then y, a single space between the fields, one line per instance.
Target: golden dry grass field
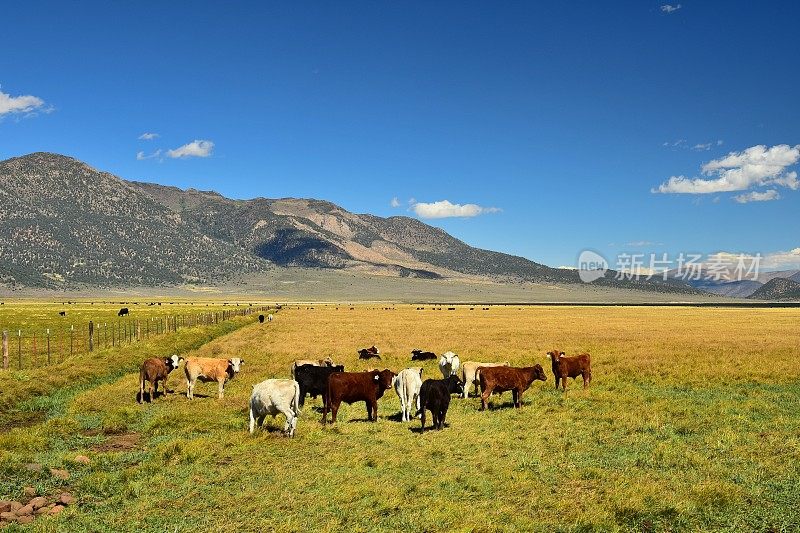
pixel 692 423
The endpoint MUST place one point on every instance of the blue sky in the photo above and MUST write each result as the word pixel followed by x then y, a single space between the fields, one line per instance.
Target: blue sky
pixel 563 117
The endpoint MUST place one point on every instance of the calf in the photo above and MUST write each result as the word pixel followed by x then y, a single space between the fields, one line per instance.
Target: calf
pixel 469 374
pixel 62 313
pixel 274 396
pixel 313 362
pixel 419 355
pixel 208 369
pixel 448 364
pixel 406 385
pixel 351 387
pixel 369 353
pixel 123 311
pixel 154 370
pixel 503 378
pixel 313 380
pixel 261 319
pixel 434 396
pixel 570 367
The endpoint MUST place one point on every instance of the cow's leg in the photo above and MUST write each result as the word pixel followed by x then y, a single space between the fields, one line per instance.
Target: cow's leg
pixel 564 383
pixel 557 379
pixel 189 389
pixel 252 421
pixel 519 398
pixel 587 378
pixel 442 416
pixel 372 409
pixel 422 417
pixel 334 411
pixel 325 407
pixel 141 390
pixel 485 398
pixel 220 389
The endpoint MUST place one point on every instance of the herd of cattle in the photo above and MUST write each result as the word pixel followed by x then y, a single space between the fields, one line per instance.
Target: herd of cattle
pixel 326 379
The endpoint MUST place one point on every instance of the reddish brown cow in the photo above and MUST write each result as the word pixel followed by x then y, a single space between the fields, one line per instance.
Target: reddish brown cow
pixel 154 370
pixel 504 378
pixel 570 367
pixel 351 387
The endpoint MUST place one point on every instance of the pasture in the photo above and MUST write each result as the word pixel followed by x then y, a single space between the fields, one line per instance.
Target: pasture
pixel 692 422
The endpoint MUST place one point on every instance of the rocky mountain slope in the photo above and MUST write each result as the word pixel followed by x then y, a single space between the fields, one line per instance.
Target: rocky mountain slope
pixel 778 289
pixel 64 223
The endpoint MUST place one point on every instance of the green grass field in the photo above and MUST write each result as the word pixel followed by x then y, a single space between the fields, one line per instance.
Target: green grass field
pixel 692 423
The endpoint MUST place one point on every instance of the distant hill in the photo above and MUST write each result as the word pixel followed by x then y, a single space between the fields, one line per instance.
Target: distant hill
pixel 778 289
pixel 64 223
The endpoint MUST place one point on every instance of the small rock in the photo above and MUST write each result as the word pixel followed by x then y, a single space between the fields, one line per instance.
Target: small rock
pixel 60 474
pixel 29 491
pixel 56 509
pixel 15 506
pixel 26 510
pixel 82 459
pixel 42 510
pixel 27 519
pixel 8 516
pixel 38 502
pixel 34 467
pixel 5 506
pixel 66 498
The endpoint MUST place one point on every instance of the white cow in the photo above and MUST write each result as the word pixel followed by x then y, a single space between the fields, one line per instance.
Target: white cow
pixel 407 384
pixel 274 396
pixel 469 374
pixel 269 317
pixel 448 364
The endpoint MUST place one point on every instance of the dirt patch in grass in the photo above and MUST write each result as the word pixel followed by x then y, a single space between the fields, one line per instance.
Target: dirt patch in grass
pixel 118 443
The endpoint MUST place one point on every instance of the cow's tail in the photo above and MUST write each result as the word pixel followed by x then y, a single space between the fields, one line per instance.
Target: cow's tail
pixel 295 404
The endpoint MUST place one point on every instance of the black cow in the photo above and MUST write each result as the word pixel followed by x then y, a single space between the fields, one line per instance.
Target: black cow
pixel 313 380
pixel 261 318
pixel 62 313
pixel 434 395
pixel 369 353
pixel 419 355
pixel 123 311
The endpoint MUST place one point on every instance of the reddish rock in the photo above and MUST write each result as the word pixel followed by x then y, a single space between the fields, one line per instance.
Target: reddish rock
pixel 56 509
pixel 15 506
pixel 82 459
pixel 66 498
pixel 29 491
pixel 8 516
pixel 5 506
pixel 26 519
pixel 38 502
pixel 60 474
pixel 42 510
pixel 26 510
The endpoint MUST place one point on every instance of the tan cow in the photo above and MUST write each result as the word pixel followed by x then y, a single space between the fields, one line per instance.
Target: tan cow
pixel 469 374
pixel 313 362
pixel 208 369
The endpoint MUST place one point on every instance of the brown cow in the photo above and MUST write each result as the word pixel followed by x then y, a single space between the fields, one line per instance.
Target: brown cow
pixel 154 370
pixel 503 378
pixel 570 367
pixel 351 387
pixel 210 369
pixel 369 353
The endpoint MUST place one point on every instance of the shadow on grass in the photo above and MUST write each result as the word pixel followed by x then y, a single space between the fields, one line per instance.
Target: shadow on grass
pixel 418 429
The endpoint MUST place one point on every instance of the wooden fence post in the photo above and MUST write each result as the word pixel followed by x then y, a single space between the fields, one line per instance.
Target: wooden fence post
pixel 71 340
pixel 91 336
pixel 34 349
pixel 19 349
pixel 48 346
pixel 5 350
pixel 138 330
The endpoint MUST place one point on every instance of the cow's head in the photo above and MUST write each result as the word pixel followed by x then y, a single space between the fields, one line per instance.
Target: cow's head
pixel 538 373
pixel 448 357
pixel 234 365
pixel 374 349
pixel 383 378
pixel 172 362
pixel 416 352
pixel 337 368
pixel 454 385
pixel 555 355
pixel 327 361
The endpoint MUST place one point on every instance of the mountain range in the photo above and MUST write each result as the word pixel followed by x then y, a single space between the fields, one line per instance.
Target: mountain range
pixel 65 224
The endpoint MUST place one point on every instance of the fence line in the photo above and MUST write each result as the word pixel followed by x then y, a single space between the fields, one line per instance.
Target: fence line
pixel 48 347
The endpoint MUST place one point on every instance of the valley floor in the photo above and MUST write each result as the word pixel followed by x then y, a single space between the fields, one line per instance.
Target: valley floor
pixel 692 422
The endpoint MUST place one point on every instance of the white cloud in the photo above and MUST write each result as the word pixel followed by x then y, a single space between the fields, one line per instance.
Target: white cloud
pixel 757 196
pixel 445 209
pixel 666 8
pixel 148 136
pixel 639 244
pixel 395 202
pixel 782 260
pixel 701 147
pixel 197 148
pixel 739 171
pixel 141 156
pixel 19 104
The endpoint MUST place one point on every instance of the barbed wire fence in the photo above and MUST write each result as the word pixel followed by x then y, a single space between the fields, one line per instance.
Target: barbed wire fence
pixel 26 348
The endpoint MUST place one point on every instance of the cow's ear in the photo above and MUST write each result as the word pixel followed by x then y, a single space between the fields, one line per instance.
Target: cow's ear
pixel 376 377
pixel 562 354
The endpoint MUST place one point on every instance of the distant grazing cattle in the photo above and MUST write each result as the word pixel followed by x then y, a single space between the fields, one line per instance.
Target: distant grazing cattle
pixel 313 380
pixel 313 362
pixel 570 367
pixel 269 317
pixel 123 311
pixel 469 374
pixel 207 369
pixel 261 318
pixel 434 396
pixel 62 313
pixel 504 378
pixel 448 364
pixel 369 353
pixel 419 355
pixel 406 385
pixel 154 370
pixel 351 387
pixel 274 396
